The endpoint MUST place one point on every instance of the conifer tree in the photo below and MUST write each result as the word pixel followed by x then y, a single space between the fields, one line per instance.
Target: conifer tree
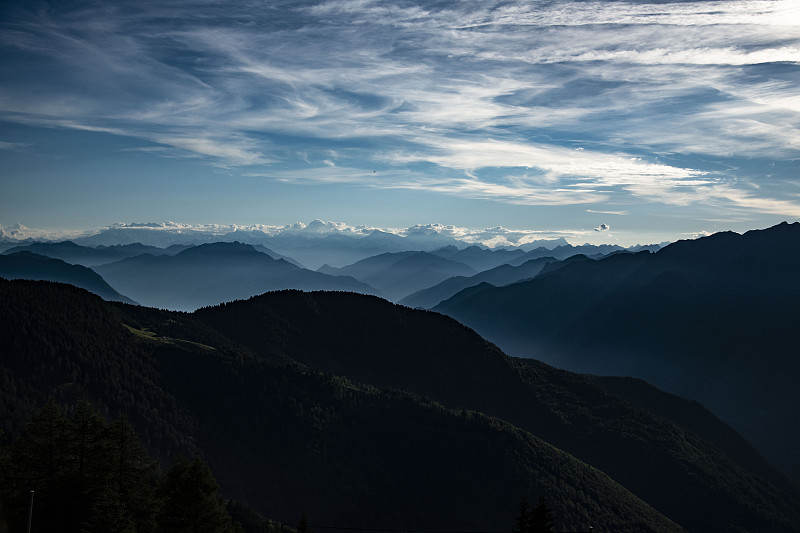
pixel 109 515
pixel 302 526
pixel 132 474
pixel 541 518
pixel 38 461
pixel 522 520
pixel 188 491
pixel 87 475
pixel 536 520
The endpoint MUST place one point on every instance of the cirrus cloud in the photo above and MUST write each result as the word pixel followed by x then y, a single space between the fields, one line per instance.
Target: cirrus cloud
pixel 682 104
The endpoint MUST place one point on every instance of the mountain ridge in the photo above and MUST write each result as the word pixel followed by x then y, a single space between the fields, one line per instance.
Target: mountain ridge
pixel 503 274
pixel 668 317
pixel 488 383
pixel 284 438
pixel 31 266
pixel 397 274
pixel 212 273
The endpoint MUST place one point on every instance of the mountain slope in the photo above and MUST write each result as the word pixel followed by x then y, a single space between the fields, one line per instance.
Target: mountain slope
pixel 100 255
pixel 692 416
pixel 285 439
pixel 710 319
pixel 478 258
pixel 498 276
pixel 371 341
pixel 213 273
pixel 397 275
pixel 84 255
pixel 27 265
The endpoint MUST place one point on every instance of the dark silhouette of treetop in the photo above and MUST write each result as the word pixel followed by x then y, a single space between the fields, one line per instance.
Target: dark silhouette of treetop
pixel 302 526
pixel 536 520
pixel 541 518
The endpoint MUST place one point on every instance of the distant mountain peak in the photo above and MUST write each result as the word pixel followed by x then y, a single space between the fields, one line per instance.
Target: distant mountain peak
pixel 220 247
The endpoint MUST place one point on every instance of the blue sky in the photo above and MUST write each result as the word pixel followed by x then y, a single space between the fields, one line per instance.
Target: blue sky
pixel 601 121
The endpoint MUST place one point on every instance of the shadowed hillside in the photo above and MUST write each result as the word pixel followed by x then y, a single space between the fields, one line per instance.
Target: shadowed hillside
pixel 711 319
pixel 498 276
pixel 370 340
pixel 283 438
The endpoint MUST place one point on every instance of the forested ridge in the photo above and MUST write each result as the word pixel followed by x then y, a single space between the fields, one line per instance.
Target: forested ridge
pixel 711 319
pixel 285 436
pixel 84 474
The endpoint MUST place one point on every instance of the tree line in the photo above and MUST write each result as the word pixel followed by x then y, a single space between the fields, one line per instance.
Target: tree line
pixel 80 473
pixel 71 470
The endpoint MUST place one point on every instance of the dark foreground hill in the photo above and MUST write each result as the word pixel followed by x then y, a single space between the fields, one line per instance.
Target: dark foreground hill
pixel 286 439
pixel 27 265
pixel 209 274
pixel 713 319
pixel 370 341
pixel 294 401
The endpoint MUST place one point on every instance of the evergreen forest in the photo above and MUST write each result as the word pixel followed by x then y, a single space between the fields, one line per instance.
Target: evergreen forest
pixel 361 413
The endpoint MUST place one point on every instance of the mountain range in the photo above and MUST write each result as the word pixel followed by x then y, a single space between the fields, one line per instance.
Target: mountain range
pixel 311 245
pixel 366 414
pixel 209 274
pixel 176 277
pixel 71 252
pixel 501 275
pixel 398 274
pixel 478 257
pixel 711 319
pixel 27 265
pixel 566 251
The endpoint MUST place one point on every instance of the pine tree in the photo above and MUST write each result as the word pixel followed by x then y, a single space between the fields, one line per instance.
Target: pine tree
pixel 541 518
pixel 132 474
pixel 87 475
pixel 302 526
pixel 189 494
pixel 87 446
pixel 522 520
pixel 38 460
pixel 109 515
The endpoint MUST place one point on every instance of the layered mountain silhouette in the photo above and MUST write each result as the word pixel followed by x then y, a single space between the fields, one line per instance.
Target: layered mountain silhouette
pixel 209 274
pixel 294 399
pixel 319 243
pixel 313 246
pixel 565 251
pixel 100 255
pixel 712 319
pixel 396 275
pixel 498 276
pixel 27 265
pixel 76 254
pixel 478 257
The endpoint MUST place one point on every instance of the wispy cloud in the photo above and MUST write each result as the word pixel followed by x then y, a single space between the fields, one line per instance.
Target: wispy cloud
pixel 495 96
pixel 620 213
pixel 15 147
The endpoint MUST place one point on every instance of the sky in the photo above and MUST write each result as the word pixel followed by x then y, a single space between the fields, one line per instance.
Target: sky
pixel 603 121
